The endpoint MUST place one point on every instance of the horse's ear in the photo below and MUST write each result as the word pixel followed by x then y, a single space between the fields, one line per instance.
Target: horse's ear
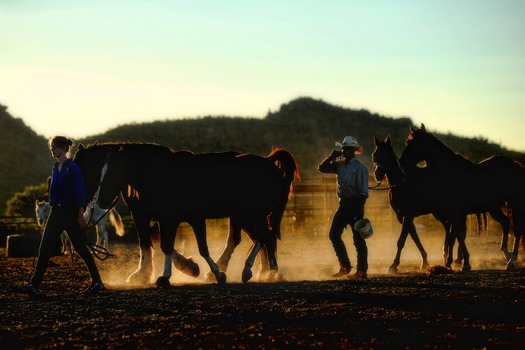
pixel 388 140
pixel 376 141
pixel 411 129
pixel 80 146
pixel 423 127
pixel 95 143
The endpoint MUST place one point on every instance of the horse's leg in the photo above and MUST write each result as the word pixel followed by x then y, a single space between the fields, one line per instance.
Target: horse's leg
pixel 100 239
pixel 406 223
pixel 413 233
pixel 232 241
pixel 459 260
pixel 102 233
pixel 247 271
pixel 269 254
pixel 168 232
pixel 144 273
pixel 460 231
pixel 448 248
pixel 199 228
pixel 518 234
pixel 504 221
pixel 267 264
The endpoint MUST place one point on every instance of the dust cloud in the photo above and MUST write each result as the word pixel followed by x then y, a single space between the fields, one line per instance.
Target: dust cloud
pixel 307 254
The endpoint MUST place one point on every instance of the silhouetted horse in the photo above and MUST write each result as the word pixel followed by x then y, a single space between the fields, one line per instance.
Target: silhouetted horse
pixel 92 158
pixel 183 187
pixel 410 199
pixel 462 186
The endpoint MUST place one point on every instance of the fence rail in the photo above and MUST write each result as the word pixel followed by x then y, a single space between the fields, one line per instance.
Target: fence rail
pixel 309 212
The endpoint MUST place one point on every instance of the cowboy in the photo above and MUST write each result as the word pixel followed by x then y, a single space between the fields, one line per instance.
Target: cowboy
pixel 352 190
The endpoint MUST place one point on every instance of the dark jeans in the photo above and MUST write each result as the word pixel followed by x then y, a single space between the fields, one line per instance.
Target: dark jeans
pixel 60 219
pixel 349 211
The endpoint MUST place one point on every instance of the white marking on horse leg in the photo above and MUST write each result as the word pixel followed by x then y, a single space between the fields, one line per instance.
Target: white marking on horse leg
pixel 144 274
pixel 168 259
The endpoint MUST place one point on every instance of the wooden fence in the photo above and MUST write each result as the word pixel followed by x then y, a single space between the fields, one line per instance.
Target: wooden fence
pixel 309 212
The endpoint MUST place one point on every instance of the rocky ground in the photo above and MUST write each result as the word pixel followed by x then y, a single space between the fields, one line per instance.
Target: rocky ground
pixel 412 309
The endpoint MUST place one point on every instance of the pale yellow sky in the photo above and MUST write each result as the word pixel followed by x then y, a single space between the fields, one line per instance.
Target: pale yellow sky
pixel 82 67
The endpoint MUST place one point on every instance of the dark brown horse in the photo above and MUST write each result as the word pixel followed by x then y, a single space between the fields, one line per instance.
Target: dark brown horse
pixel 91 160
pixel 462 186
pixel 409 199
pixel 183 187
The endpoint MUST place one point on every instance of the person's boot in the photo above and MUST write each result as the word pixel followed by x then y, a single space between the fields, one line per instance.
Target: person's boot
pixel 343 271
pixel 359 275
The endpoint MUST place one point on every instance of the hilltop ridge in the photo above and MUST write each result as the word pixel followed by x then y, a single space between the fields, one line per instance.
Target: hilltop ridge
pixel 305 126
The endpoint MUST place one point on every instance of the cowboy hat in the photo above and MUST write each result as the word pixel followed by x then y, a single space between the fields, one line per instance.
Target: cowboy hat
pixel 350 141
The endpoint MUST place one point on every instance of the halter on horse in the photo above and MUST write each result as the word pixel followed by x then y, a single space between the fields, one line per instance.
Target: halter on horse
pixel 462 186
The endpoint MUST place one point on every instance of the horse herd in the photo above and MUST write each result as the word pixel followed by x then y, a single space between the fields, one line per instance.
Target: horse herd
pixel 170 187
pixel 449 186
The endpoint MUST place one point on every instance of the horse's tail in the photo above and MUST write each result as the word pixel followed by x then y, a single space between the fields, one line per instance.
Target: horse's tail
pixel 116 221
pixel 285 162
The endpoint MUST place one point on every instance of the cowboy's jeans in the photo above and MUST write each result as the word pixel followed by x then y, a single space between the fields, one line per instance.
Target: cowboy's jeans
pixel 348 212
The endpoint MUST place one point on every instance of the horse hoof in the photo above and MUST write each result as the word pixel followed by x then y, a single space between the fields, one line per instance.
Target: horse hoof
pixel 246 275
pixel 273 276
pixel 210 277
pixel 392 269
pixel 187 267
pixel 510 266
pixel 466 268
pixel 163 282
pixel 138 279
pixel 221 277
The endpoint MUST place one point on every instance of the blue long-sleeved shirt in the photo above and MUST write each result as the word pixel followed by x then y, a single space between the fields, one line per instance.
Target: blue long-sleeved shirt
pixel 67 186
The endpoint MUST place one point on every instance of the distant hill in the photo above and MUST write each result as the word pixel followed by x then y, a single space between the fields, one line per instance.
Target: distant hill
pixel 306 127
pixel 24 157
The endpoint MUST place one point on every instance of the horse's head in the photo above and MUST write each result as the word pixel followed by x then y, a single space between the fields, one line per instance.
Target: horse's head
pixel 113 179
pixel 90 159
pixel 383 157
pixel 419 148
pixel 42 211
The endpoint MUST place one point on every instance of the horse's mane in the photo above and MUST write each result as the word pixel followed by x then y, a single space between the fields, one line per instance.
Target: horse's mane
pixel 128 145
pixel 461 159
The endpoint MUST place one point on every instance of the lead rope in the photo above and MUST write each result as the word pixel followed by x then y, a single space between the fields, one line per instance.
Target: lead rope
pixel 98 251
pixel 376 187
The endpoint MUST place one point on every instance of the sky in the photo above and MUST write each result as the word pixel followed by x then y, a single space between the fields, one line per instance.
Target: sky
pixel 79 68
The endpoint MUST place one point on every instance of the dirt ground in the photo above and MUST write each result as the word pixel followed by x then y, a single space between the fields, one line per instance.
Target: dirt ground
pixel 305 308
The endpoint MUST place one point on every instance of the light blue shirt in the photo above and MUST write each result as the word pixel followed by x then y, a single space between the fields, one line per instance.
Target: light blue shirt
pixel 352 179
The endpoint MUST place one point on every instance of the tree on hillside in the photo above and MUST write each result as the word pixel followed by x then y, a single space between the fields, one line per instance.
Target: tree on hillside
pixel 23 203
